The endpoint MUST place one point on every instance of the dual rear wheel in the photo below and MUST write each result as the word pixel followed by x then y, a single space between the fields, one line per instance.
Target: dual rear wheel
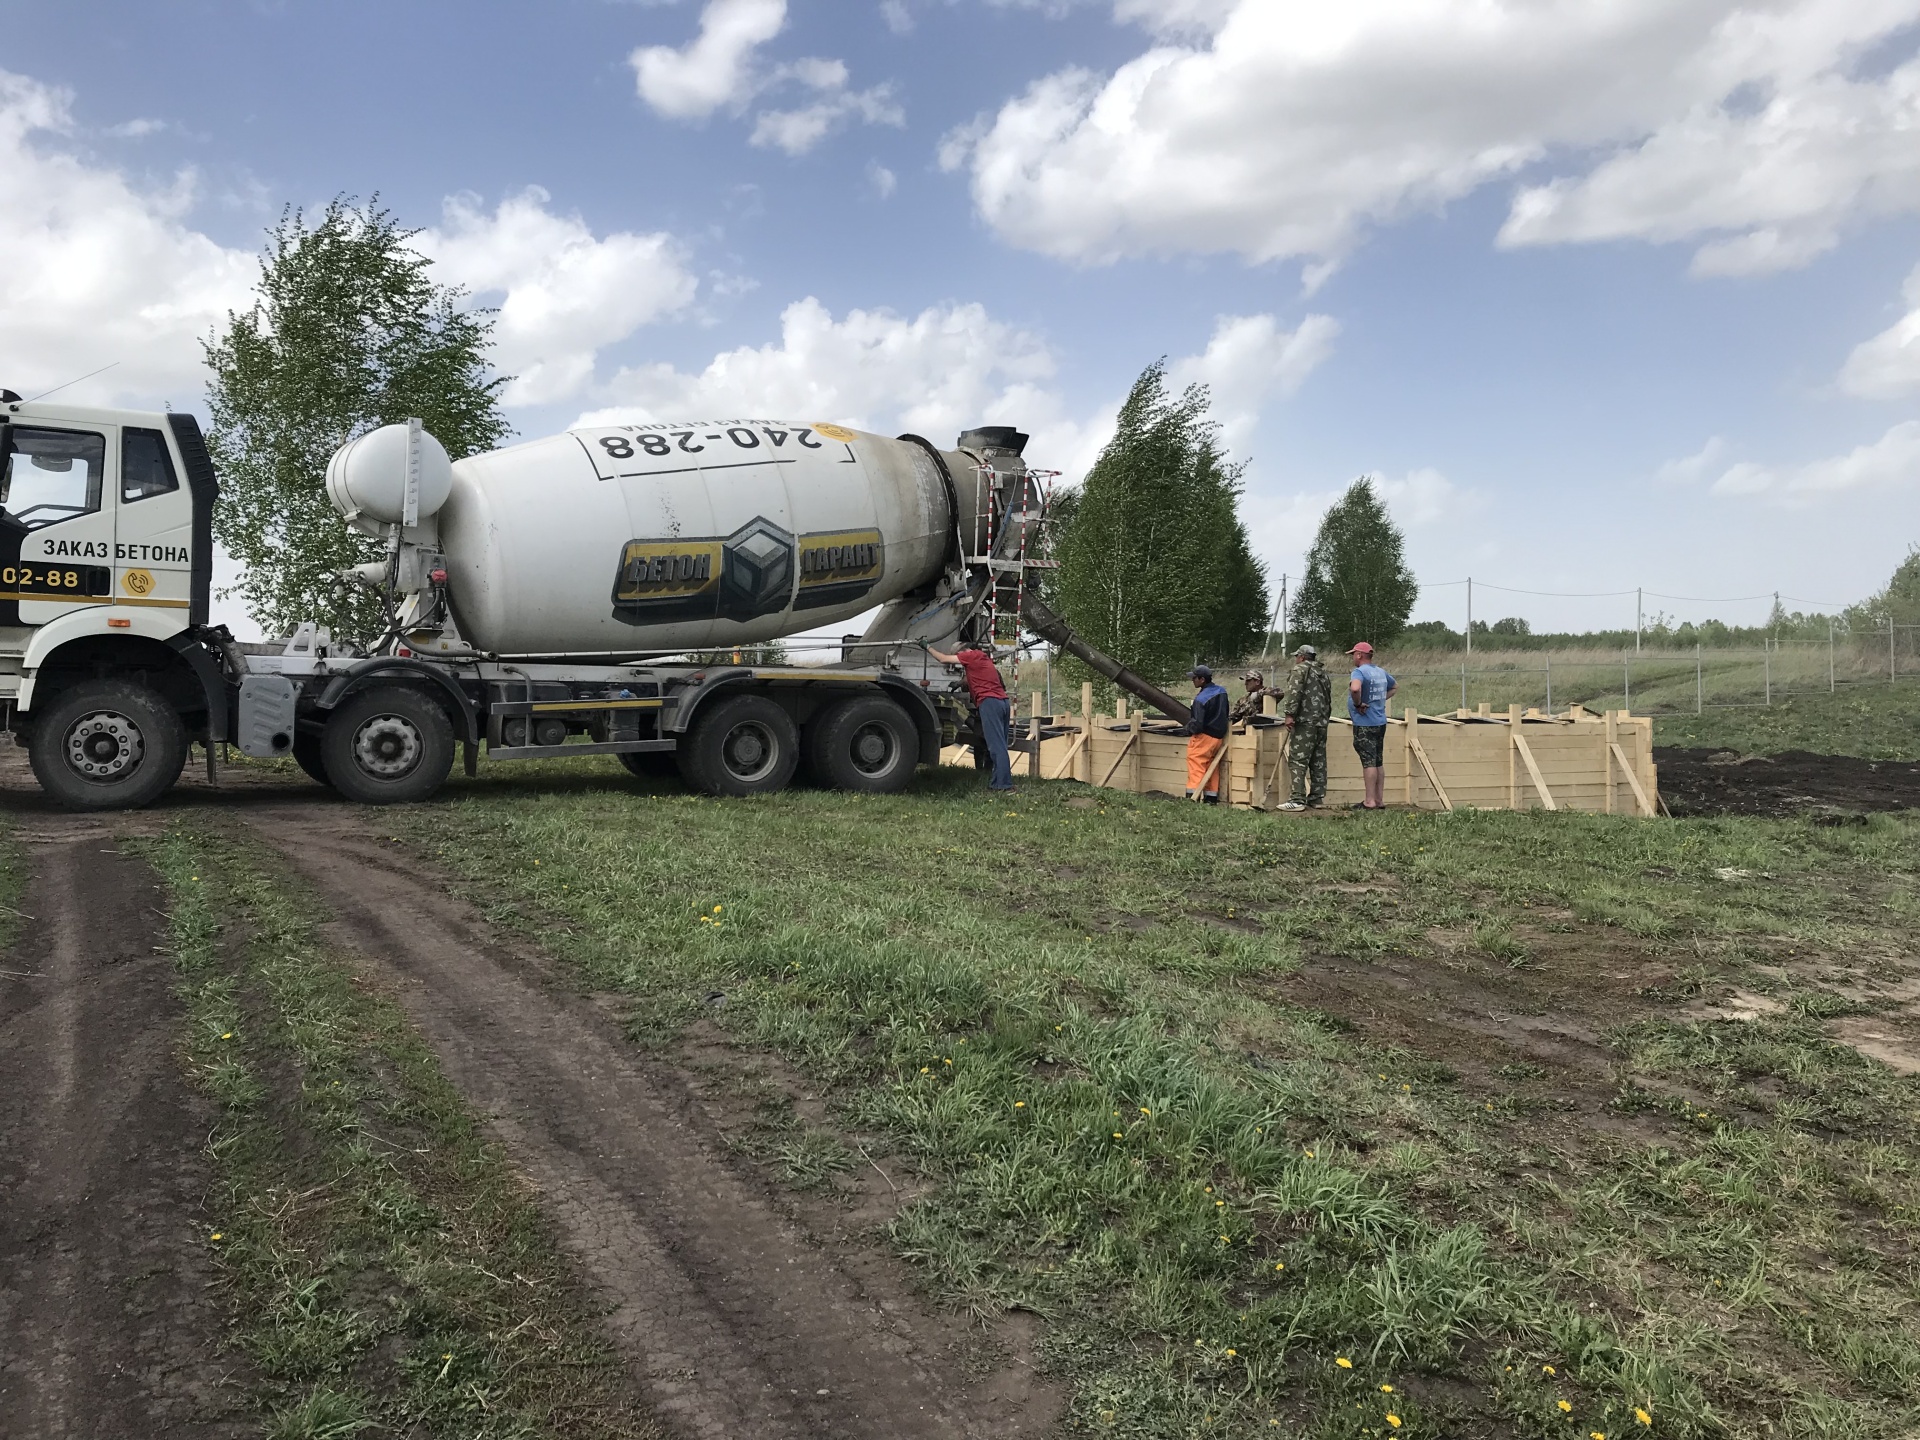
pixel 748 745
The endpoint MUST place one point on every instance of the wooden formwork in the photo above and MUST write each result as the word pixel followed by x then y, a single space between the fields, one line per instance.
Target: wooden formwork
pixel 1511 759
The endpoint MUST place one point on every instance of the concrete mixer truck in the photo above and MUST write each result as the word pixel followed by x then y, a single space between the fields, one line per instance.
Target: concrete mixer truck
pixel 600 591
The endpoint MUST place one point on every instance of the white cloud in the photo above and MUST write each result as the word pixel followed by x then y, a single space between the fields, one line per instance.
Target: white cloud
pixel 949 368
pixel 899 19
pixel 96 272
pixel 798 131
pixel 1289 128
pixel 1249 361
pixel 1423 497
pixel 883 180
pixel 563 295
pixel 1696 468
pixel 715 69
pixel 1888 365
pixel 1891 462
pixel 718 70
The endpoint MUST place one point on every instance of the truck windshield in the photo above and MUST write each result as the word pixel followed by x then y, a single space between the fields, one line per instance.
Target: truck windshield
pixel 51 475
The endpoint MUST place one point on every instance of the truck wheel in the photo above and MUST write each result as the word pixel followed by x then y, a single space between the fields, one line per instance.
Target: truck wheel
pixel 108 745
pixel 743 745
pixel 866 743
pixel 650 764
pixel 388 746
pixel 306 754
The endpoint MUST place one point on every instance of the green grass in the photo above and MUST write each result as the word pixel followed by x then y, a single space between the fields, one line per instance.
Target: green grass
pixel 1874 721
pixel 364 1224
pixel 1068 1020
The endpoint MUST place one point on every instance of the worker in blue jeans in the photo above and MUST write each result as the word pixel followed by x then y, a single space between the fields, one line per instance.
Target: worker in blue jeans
pixel 990 701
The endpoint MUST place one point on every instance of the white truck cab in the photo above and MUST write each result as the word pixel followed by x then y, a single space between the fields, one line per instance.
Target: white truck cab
pixel 106 562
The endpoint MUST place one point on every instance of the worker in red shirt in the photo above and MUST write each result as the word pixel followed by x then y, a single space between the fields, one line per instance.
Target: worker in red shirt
pixel 990 700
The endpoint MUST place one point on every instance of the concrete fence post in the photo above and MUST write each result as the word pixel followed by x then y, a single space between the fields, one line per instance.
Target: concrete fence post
pixel 1699 683
pixel 1830 657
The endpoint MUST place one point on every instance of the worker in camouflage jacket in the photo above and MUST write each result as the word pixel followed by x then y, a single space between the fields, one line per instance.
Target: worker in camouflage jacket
pixel 1248 705
pixel 1306 707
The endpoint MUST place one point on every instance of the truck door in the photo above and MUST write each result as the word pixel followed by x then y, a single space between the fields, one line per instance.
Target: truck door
pixel 56 522
pixel 153 532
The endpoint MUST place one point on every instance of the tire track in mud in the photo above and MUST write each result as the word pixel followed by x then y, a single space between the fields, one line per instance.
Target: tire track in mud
pixel 734 1317
pixel 106 1326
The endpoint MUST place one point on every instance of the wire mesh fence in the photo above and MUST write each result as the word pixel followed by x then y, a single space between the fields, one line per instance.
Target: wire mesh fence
pixel 1663 682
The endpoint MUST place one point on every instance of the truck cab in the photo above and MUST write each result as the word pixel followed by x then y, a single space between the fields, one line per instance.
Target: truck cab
pixel 106 556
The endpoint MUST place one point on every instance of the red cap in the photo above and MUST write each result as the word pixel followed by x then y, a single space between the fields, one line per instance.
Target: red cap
pixel 1361 649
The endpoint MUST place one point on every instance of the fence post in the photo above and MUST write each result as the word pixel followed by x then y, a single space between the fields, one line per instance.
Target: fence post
pixel 1890 671
pixel 1549 682
pixel 1626 679
pixel 1699 683
pixel 1766 669
pixel 1829 657
pixel 1463 682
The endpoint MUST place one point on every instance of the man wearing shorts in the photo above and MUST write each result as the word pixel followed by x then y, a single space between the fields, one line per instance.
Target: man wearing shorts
pixel 1367 695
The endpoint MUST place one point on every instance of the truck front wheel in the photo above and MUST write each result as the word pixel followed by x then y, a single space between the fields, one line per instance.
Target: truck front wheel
pixel 866 743
pixel 742 745
pixel 390 745
pixel 108 745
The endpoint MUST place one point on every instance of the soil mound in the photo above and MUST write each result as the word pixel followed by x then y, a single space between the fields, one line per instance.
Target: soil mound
pixel 1794 782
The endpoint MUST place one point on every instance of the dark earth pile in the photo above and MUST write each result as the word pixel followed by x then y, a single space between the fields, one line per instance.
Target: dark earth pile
pixel 1795 782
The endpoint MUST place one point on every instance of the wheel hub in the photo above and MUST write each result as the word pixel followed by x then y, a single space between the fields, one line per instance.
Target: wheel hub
pixel 872 748
pixel 104 745
pixel 748 751
pixel 387 746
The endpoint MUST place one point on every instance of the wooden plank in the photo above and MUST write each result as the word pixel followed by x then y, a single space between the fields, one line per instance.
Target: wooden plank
pixel 1546 795
pixel 1633 782
pixel 1218 756
pixel 1513 773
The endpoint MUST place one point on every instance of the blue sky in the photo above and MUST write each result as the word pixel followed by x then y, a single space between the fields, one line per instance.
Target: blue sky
pixel 1609 293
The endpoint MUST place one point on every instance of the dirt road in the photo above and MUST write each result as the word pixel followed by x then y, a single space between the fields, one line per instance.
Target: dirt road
pixel 738 1319
pixel 106 1325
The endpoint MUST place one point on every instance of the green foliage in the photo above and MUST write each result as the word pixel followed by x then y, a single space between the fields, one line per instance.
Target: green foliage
pixel 347 333
pixel 1155 565
pixel 1898 602
pixel 1357 586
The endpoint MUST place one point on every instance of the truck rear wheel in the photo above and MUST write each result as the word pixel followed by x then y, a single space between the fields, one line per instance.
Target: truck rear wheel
pixel 742 745
pixel 108 745
pixel 390 745
pixel 866 743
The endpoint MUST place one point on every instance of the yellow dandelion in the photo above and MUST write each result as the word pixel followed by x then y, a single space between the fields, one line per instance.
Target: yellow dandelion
pixel 1386 1389
pixel 227 1036
pixel 1596 1435
pixel 1117 1135
pixel 536 864
pixel 1549 1370
pixel 1309 1154
pixel 217 1235
pixel 1280 1267
pixel 1343 1362
pixel 1393 1420
pixel 1019 1104
pixel 1643 1417
pixel 1232 1353
pixel 1145 1111
pixel 1224 1240
pixel 1565 1405
pixel 923 1070
pixel 1219 1203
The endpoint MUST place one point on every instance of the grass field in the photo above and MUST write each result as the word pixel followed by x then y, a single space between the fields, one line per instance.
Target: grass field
pixel 1146 1057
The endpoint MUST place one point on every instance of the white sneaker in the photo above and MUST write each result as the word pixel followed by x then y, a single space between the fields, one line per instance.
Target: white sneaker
pixel 1293 805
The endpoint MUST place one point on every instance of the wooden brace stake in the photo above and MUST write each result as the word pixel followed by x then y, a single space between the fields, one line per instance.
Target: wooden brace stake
pixel 1117 759
pixel 1546 795
pixel 1066 764
pixel 1212 770
pixel 1420 754
pixel 1633 781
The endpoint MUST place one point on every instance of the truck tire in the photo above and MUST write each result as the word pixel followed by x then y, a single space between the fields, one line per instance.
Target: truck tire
pixel 866 743
pixel 108 745
pixel 742 745
pixel 306 754
pixel 390 745
pixel 650 764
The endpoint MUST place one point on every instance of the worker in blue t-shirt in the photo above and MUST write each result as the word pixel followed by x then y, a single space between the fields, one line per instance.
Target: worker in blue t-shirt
pixel 1367 694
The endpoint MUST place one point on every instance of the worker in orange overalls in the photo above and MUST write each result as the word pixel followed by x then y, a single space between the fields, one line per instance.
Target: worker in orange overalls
pixel 1206 732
